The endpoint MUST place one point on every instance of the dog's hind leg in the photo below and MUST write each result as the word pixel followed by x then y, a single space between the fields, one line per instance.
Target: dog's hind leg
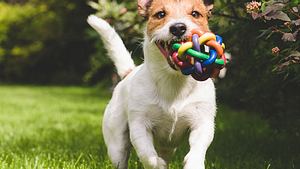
pixel 116 134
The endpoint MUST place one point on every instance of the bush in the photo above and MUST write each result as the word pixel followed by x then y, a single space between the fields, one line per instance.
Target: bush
pixel 44 41
pixel 254 80
pixel 123 16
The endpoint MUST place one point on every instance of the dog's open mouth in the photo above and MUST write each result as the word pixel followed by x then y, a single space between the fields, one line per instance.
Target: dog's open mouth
pixel 165 48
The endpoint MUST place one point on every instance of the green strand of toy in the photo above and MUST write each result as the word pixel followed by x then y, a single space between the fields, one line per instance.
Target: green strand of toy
pixel 197 54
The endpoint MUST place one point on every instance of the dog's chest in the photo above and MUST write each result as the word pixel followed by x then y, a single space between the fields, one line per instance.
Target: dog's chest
pixel 168 125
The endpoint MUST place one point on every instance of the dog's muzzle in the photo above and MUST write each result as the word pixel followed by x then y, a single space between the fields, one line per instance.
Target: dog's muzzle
pixel 165 48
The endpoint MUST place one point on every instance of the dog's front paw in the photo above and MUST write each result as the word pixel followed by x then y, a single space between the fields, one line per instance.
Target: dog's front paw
pixel 193 161
pixel 155 163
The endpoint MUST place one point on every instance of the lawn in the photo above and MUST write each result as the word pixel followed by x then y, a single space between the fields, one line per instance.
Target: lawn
pixel 59 127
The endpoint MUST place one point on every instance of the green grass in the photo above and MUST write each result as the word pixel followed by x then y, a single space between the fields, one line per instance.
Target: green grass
pixel 59 127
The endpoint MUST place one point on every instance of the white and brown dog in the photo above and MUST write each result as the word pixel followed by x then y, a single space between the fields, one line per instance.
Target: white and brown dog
pixel 154 107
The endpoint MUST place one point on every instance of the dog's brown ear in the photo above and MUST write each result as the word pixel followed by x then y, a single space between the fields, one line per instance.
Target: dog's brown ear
pixel 209 5
pixel 143 6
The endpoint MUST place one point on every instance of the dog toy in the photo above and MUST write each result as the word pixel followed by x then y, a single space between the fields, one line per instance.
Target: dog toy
pixel 192 59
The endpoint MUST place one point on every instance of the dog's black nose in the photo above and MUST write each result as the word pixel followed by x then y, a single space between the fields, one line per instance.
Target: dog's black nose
pixel 178 29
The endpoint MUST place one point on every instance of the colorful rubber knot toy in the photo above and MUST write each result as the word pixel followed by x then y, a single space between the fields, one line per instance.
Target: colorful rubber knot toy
pixel 192 58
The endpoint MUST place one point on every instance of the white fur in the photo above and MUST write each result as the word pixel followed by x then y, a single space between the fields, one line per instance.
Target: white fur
pixel 154 107
pixel 114 45
pixel 164 33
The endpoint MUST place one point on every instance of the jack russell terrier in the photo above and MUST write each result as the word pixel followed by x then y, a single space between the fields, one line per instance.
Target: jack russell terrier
pixel 155 107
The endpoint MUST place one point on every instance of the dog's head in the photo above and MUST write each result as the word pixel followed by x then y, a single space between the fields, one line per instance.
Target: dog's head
pixel 170 21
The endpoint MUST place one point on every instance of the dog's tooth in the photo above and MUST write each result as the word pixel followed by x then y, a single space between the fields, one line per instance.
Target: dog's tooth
pixel 206 48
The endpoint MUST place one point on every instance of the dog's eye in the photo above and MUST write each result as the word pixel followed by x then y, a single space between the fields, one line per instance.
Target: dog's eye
pixel 196 14
pixel 160 14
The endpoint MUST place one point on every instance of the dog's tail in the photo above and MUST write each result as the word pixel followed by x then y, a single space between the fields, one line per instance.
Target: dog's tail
pixel 114 45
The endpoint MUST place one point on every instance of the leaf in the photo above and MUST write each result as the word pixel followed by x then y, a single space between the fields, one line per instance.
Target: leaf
pixel 283 16
pixel 268 18
pixel 94 5
pixel 270 34
pixel 288 37
pixel 295 33
pixel 296 22
pixel 295 54
pixel 278 15
pixel 263 7
pixel 295 2
pixel 295 9
pixel 255 15
pixel 273 8
pixel 293 58
pixel 265 32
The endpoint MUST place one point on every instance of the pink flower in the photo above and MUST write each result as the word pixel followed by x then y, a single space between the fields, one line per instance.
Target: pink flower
pixel 275 50
pixel 253 6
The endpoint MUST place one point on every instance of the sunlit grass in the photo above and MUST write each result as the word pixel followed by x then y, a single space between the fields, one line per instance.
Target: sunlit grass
pixel 60 127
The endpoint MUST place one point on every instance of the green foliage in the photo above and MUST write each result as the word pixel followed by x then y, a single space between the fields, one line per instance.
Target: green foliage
pixel 123 16
pixel 60 127
pixel 23 32
pixel 100 66
pixel 283 19
pixel 43 41
pixel 253 81
pixel 13 19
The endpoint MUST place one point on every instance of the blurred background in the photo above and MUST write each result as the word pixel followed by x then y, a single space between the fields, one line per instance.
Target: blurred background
pixel 49 43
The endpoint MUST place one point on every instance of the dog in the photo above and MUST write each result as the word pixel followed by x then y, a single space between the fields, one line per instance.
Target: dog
pixel 154 107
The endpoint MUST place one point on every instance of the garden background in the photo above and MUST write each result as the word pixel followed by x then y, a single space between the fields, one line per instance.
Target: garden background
pixel 55 80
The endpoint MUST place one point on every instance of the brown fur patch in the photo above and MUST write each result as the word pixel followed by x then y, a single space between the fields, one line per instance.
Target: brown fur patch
pixel 176 9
